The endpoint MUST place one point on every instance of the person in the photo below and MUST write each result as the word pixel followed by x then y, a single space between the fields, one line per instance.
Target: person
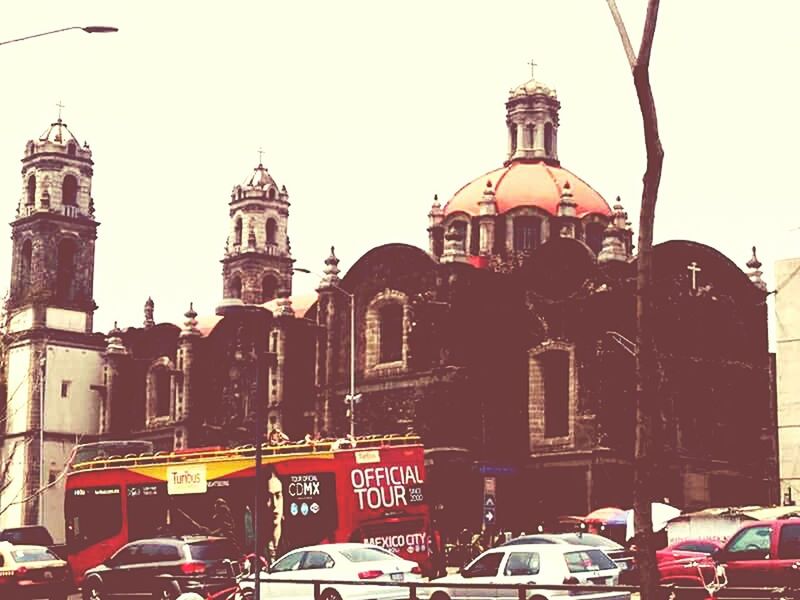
pixel 222 523
pixel 276 437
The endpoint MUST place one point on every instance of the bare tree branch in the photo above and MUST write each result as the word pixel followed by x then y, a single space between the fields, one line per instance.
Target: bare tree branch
pixel 623 33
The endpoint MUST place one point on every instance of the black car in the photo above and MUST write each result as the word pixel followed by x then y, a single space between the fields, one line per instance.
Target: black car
pixel 164 568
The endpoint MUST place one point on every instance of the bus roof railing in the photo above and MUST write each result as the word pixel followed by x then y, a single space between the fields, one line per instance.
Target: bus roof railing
pixel 247 451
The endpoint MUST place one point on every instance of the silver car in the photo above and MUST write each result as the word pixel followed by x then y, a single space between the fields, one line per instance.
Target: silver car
pixel 533 564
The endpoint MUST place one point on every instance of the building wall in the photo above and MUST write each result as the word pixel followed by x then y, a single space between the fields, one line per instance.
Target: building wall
pixel 11 509
pixel 57 453
pixel 78 411
pixel 20 384
pixel 787 355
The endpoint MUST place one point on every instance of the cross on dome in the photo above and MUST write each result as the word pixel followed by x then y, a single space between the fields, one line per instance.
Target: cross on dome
pixel 695 270
pixel 60 106
pixel 533 66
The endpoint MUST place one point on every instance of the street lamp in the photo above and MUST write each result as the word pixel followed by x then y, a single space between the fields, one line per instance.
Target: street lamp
pixel 352 398
pixel 257 319
pixel 87 29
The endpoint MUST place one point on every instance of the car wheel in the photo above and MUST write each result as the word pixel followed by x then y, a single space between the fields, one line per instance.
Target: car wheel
pixel 537 598
pixel 169 591
pixel 330 594
pixel 91 591
pixel 440 596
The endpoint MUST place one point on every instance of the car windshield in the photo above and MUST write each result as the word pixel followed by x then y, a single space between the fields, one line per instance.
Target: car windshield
pixel 588 560
pixel 588 539
pixel 366 554
pixel 216 550
pixel 23 555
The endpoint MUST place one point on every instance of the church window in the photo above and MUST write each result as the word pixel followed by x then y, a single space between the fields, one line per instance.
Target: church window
pixel 548 138
pixel 69 191
pixel 594 236
pixel 71 149
pixel 161 385
pixel 65 389
pixel 31 190
pixel 236 287
pixel 65 271
pixel 512 132
pixel 268 286
pixel 272 229
pixel 555 369
pixel 461 228
pixel 271 193
pixel 526 232
pixel 391 332
pixel 25 267
pixel 237 232
pixel 529 135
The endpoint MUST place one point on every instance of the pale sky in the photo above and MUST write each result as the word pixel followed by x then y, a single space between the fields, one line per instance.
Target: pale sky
pixel 365 110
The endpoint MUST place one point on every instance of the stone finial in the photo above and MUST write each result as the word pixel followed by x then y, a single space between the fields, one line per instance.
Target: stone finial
pixel 487 205
pixel 567 205
pixel 755 272
pixel 284 303
pixel 613 248
pixel 149 307
pixel 251 236
pixel 331 270
pixel 620 216
pixel 190 325
pixel 454 246
pixel 114 343
pixel 436 213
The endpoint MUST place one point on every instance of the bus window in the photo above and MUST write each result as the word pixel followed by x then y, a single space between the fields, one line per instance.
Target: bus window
pixel 82 508
pixel 147 510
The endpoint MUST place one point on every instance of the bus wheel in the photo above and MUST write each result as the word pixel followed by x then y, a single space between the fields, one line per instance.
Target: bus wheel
pixel 440 596
pixel 330 594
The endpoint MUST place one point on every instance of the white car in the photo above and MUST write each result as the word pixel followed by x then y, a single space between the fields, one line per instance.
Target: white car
pixel 533 564
pixel 344 562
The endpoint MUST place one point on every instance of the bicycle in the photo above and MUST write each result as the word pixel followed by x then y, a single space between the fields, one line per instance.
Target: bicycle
pixel 234 592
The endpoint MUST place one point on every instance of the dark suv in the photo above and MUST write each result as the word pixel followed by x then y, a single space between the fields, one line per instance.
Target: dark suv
pixel 164 568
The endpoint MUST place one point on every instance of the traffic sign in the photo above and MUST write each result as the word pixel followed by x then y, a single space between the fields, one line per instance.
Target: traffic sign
pixel 488 516
pixel 488 501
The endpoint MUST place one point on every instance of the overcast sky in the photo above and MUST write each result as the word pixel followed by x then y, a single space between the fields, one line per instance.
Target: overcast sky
pixel 365 110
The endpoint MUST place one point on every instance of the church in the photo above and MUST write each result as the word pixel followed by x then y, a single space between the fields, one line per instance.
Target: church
pixel 505 344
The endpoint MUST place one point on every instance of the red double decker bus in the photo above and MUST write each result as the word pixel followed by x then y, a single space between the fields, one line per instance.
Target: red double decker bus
pixel 371 492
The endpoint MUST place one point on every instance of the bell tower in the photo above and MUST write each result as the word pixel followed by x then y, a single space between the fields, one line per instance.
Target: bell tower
pixel 53 234
pixel 257 266
pixel 53 362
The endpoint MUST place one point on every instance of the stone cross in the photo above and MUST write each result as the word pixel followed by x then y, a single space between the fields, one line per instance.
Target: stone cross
pixel 260 155
pixel 60 106
pixel 695 270
pixel 533 65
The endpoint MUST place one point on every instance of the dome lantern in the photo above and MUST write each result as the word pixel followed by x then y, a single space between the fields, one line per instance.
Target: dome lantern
pixel 532 119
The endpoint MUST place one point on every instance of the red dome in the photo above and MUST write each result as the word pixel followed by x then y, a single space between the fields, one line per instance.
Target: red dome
pixel 528 184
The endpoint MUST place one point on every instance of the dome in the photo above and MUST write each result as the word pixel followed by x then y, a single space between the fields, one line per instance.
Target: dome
pixel 531 88
pixel 528 184
pixel 260 178
pixel 58 133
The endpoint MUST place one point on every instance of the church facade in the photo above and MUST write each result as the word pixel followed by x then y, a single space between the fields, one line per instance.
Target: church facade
pixel 506 344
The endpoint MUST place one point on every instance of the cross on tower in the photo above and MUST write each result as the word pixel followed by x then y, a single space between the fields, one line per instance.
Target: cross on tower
pixel 260 155
pixel 60 106
pixel 533 65
pixel 695 270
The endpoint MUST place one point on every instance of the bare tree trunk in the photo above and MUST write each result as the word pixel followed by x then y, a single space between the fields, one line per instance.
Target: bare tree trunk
pixel 648 426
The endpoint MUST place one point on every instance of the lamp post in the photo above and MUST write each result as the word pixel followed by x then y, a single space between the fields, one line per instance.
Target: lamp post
pixel 257 319
pixel 351 398
pixel 87 29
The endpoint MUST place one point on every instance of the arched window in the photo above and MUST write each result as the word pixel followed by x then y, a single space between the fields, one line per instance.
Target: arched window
pixel 594 236
pixel 65 271
pixel 161 389
pixel 391 332
pixel 529 135
pixel 461 228
pixel 512 135
pixel 31 190
pixel 272 229
pixel 25 267
pixel 69 191
pixel 236 287
pixel 71 149
pixel 271 193
pixel 268 286
pixel 548 138
pixel 527 230
pixel 237 232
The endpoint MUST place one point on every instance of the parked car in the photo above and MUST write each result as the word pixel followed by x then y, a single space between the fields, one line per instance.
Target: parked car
pixel 533 564
pixel 163 568
pixel 344 561
pixel 28 571
pixel 615 551
pixel 698 546
pixel 34 535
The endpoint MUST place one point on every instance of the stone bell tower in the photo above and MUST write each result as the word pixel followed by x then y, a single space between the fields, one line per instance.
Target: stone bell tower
pixel 53 362
pixel 257 265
